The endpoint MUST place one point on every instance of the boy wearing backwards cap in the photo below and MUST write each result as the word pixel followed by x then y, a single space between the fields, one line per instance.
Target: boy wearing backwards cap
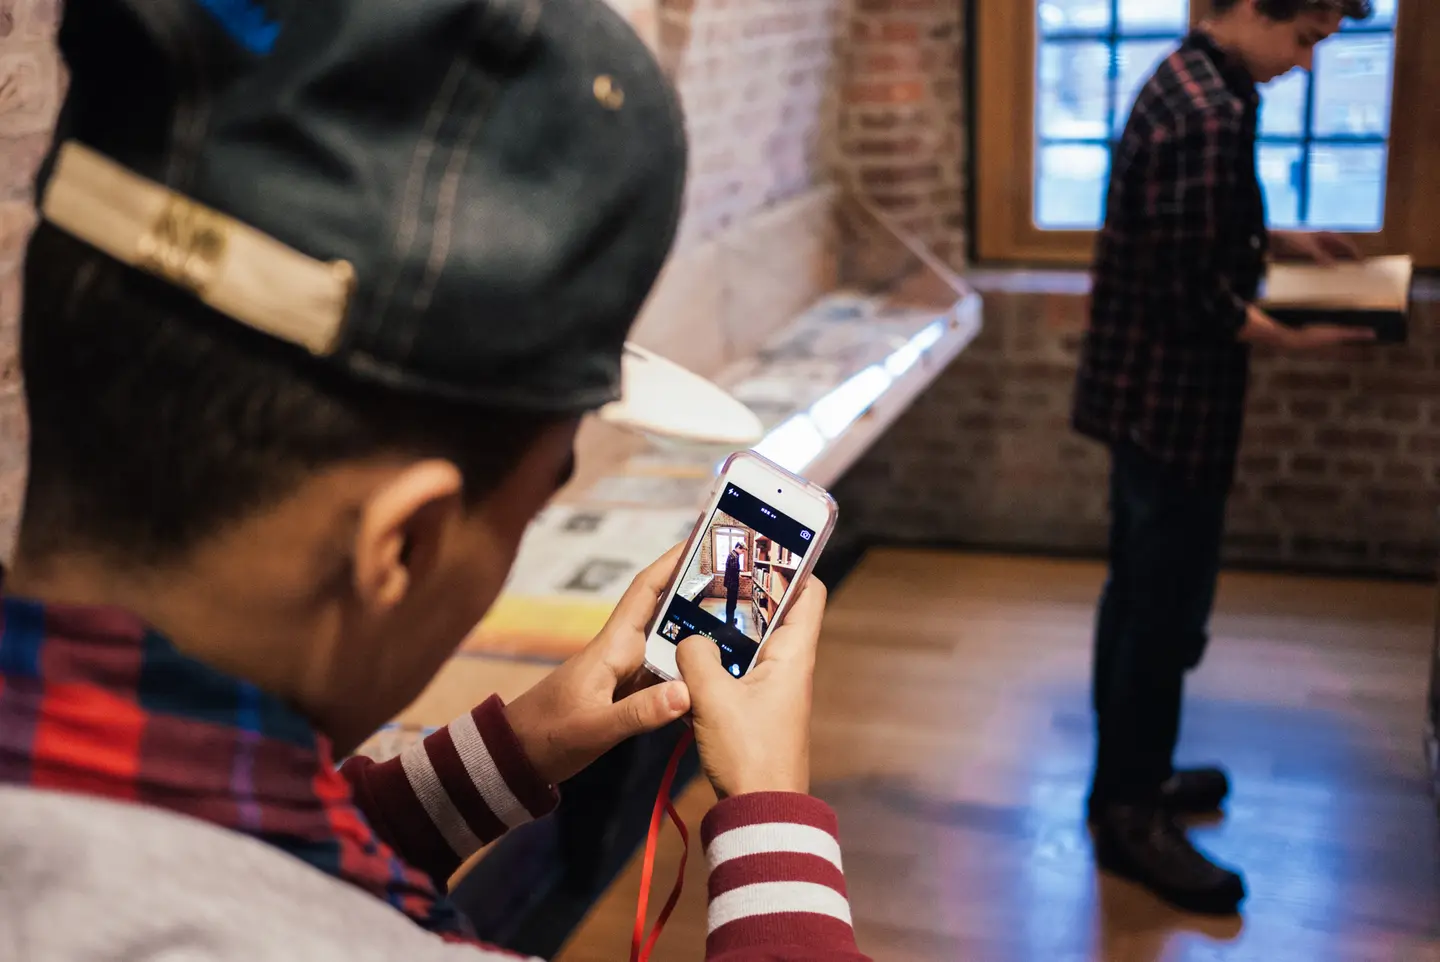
pixel 320 293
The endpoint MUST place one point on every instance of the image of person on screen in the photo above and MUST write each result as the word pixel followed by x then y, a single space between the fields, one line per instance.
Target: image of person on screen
pixel 734 564
pixel 738 577
pixel 718 578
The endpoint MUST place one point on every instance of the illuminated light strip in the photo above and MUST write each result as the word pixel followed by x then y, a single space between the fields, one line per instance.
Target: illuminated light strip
pixel 793 445
pixel 797 442
pixel 835 412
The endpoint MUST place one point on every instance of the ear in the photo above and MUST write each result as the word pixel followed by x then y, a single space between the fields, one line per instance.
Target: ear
pixel 402 530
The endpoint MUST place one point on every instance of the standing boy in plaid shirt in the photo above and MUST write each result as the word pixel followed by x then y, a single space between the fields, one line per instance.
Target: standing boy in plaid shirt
pixel 1162 382
pixel 321 291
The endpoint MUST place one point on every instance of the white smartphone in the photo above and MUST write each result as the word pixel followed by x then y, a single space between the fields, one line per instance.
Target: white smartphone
pixel 754 545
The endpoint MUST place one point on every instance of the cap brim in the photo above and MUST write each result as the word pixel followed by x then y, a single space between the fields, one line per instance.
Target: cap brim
pixel 660 397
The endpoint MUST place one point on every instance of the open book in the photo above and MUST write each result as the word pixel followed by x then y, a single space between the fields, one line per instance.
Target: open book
pixel 1373 293
pixel 1377 284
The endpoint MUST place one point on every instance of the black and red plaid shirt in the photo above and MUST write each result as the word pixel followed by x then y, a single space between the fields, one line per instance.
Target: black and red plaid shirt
pixel 1180 256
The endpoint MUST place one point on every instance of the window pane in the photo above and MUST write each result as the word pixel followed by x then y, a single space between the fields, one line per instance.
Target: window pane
pixel 1280 177
pixel 1073 82
pixel 1147 16
pixel 1282 105
pixel 1070 16
pixel 1347 188
pixel 1352 85
pixel 1138 60
pixel 1070 186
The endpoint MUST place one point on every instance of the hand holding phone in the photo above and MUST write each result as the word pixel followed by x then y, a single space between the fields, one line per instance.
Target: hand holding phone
pixel 600 697
pixel 739 621
pixel 754 733
pixel 752 548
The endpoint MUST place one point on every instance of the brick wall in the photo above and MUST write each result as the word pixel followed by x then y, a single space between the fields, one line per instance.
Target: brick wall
pixel 781 95
pixel 29 94
pixel 1339 468
pixel 899 115
pixel 752 77
pixel 757 243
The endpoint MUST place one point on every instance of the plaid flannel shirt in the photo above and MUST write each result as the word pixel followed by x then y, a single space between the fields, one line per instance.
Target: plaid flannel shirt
pixel 1181 254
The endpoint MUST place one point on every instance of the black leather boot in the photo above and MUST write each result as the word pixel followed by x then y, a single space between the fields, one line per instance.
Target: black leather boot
pixel 1146 845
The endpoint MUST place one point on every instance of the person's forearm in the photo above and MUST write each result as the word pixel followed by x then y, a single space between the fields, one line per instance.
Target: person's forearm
pixel 777 886
pixel 444 798
pixel 1262 329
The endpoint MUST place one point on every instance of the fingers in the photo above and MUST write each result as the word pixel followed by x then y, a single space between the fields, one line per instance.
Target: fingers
pixel 636 679
pixel 650 710
pixel 698 659
pixel 796 639
pixel 1341 245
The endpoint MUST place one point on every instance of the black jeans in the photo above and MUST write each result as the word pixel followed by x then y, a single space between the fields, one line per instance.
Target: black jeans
pixel 1153 622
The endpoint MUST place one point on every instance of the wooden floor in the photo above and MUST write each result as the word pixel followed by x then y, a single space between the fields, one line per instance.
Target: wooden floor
pixel 952 735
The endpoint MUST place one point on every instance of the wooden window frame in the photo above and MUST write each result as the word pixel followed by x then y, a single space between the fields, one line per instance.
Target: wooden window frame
pixel 1005 230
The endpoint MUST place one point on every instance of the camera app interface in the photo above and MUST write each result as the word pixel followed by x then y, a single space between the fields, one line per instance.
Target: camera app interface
pixel 737 578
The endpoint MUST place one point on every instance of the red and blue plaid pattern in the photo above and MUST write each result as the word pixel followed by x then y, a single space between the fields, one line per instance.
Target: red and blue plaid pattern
pixel 1181 254
pixel 94 702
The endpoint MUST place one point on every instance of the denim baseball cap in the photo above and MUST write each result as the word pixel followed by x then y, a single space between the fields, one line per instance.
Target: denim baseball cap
pixel 463 199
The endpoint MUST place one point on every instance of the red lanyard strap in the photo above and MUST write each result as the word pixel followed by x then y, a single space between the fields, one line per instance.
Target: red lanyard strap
pixel 663 805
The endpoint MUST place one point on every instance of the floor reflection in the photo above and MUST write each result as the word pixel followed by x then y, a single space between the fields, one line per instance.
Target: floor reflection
pixel 952 736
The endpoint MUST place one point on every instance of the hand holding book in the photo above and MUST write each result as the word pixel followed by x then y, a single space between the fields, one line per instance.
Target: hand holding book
pixel 1369 294
pixel 1261 328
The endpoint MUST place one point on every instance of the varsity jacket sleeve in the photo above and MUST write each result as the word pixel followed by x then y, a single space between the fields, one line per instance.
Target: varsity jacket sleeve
pixel 461 788
pixel 776 888
pixel 1189 196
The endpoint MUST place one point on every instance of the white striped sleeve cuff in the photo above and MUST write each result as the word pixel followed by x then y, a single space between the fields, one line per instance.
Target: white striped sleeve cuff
pixel 776 876
pixel 459 789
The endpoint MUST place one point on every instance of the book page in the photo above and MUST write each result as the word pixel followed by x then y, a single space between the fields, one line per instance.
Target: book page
pixel 1380 283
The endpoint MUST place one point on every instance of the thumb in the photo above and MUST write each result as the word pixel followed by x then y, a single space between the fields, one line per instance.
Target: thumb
pixel 650 709
pixel 698 659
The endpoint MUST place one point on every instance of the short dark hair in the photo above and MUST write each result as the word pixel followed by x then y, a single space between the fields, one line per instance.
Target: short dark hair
pixel 155 422
pixel 1290 9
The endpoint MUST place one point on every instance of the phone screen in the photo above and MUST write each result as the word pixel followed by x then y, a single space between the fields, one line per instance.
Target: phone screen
pixel 738 576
